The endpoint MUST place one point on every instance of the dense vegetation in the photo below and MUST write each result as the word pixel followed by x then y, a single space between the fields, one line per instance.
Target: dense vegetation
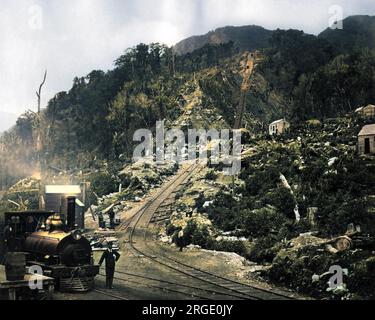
pixel 317 80
pixel 324 172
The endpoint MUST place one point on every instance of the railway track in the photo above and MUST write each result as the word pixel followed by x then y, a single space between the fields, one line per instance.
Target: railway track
pixel 110 295
pixel 156 284
pixel 125 225
pixel 174 287
pixel 138 233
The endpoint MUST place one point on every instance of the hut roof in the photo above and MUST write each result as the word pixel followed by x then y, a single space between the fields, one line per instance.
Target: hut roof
pixel 370 106
pixel 278 121
pixel 368 130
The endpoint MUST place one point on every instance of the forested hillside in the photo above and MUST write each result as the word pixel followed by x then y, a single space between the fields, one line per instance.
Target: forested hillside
pixel 357 32
pixel 299 77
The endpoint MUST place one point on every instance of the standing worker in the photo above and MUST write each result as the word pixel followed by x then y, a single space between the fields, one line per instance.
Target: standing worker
pixel 101 220
pixel 111 257
pixel 112 216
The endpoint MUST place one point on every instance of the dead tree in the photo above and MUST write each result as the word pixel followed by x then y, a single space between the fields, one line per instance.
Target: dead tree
pixel 39 146
pixel 39 92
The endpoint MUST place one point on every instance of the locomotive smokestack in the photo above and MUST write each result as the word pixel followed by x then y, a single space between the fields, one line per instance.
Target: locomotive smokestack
pixel 71 217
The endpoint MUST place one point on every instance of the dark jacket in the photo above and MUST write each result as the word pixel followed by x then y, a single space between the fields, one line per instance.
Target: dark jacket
pixel 110 258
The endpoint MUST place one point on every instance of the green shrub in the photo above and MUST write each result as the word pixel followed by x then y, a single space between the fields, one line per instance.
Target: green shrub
pixel 262 222
pixel 223 212
pixel 211 175
pixel 181 241
pixel 334 217
pixel 281 199
pixel 264 249
pixel 291 229
pixel 238 247
pixel 102 183
pixel 171 229
pixel 200 236
pixel 191 234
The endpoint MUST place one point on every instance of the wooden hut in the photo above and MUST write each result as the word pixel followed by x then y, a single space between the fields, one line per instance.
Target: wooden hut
pixel 366 140
pixel 368 111
pixel 278 127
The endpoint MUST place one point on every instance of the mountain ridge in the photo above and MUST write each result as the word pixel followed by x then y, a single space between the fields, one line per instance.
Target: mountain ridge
pixel 359 31
pixel 248 37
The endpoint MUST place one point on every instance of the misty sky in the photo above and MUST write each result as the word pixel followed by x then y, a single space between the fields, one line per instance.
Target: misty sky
pixel 72 37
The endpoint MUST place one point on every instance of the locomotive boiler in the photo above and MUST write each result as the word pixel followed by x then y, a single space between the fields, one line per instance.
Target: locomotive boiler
pixel 61 250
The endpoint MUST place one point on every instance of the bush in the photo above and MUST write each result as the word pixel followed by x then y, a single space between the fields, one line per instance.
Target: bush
pixel 282 200
pixel 261 181
pixel 171 229
pixel 223 212
pixel 238 247
pixel 211 175
pixel 192 233
pixel 199 202
pixel 335 216
pixel 102 184
pixel 200 236
pixel 362 279
pixel 181 239
pixel 291 229
pixel 264 249
pixel 262 222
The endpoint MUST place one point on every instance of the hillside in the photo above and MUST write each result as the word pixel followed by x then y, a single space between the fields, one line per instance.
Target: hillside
pixel 357 32
pixel 244 38
pixel 254 215
pixel 300 77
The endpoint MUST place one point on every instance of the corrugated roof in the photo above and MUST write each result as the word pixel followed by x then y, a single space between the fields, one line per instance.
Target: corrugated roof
pixel 367 130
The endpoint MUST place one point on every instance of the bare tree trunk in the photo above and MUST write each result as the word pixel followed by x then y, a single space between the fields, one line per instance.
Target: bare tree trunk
pixel 39 144
pixel 39 92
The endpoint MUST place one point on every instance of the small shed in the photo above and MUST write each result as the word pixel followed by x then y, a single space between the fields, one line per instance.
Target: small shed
pixel 368 111
pixel 56 197
pixel 278 127
pixel 366 140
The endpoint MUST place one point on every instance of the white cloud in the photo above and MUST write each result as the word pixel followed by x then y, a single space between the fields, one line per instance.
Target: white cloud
pixel 77 36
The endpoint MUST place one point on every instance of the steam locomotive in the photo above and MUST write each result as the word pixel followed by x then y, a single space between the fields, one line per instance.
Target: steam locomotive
pixel 56 246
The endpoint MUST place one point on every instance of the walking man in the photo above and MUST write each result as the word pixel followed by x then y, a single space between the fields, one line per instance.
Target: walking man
pixel 111 257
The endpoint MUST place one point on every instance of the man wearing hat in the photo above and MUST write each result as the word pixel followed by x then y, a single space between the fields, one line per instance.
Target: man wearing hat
pixel 111 257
